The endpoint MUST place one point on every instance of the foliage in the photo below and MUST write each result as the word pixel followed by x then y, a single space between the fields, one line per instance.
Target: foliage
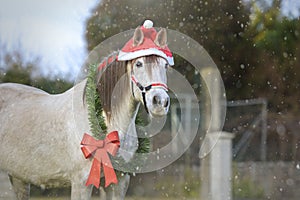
pixel 276 74
pixel 96 119
pixel 244 187
pixel 174 186
pixel 247 189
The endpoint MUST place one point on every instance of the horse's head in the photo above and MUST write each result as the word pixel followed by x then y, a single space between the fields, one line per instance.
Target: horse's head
pixel 148 75
pixel 144 59
pixel 149 84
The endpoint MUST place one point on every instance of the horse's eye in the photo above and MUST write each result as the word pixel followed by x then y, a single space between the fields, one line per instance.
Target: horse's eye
pixel 139 64
pixel 166 65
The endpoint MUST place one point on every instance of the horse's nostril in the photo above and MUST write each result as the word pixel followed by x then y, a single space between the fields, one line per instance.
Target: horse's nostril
pixel 156 100
pixel 159 101
pixel 166 103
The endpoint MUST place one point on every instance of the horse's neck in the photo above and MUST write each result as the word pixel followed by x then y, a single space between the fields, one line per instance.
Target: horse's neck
pixel 122 112
pixel 123 120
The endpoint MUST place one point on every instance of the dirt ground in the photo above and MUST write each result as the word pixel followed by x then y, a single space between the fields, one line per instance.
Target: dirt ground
pixel 128 198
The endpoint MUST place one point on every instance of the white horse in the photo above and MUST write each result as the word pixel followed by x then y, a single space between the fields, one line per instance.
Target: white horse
pixel 40 140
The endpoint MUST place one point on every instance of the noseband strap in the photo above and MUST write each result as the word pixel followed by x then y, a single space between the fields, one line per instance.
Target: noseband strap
pixel 146 89
pixel 149 87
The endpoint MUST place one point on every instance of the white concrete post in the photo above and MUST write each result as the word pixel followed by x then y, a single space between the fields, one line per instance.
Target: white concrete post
pixel 217 166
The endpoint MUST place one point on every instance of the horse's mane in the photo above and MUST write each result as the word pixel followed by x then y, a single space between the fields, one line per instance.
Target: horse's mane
pixel 107 79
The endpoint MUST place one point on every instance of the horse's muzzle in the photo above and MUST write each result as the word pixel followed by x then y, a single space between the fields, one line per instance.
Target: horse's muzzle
pixel 158 102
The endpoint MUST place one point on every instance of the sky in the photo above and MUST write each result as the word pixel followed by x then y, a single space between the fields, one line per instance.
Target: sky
pixel 53 31
pixel 291 7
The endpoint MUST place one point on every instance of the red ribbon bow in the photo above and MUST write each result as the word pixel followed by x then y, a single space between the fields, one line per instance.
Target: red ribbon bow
pixel 100 149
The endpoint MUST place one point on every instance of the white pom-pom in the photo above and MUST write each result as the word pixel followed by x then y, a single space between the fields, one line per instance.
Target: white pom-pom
pixel 148 24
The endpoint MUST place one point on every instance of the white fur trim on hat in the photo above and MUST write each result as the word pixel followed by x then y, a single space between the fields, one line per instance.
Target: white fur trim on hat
pixel 144 52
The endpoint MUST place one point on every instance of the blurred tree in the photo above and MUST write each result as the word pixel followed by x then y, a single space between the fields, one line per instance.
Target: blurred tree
pixel 276 75
pixel 15 69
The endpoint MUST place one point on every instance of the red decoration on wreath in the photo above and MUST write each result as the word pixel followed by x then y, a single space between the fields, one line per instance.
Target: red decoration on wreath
pixel 99 149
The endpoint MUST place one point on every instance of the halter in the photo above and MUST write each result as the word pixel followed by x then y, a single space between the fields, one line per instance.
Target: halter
pixel 144 90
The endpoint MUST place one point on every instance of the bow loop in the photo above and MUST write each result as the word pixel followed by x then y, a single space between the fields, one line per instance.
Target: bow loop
pixel 112 143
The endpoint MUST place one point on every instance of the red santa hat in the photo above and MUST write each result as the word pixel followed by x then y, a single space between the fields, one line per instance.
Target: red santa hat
pixel 147 41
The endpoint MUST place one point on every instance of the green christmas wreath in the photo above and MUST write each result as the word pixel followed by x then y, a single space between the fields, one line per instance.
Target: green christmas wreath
pixel 99 128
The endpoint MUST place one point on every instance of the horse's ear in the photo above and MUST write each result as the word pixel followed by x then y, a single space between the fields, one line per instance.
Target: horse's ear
pixel 161 38
pixel 138 37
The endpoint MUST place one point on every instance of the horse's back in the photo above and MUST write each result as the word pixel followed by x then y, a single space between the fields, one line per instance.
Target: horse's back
pixel 10 91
